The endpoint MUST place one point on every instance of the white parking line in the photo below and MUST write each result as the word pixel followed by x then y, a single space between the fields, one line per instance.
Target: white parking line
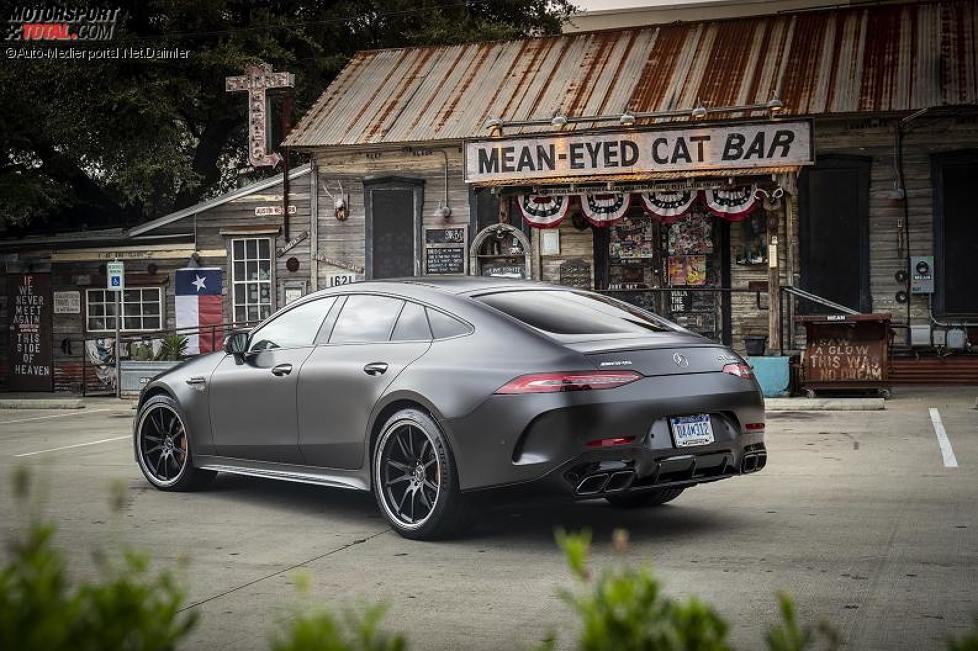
pixel 68 447
pixel 76 412
pixel 950 461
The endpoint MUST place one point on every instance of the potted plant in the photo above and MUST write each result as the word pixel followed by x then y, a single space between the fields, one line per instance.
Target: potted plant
pixel 143 365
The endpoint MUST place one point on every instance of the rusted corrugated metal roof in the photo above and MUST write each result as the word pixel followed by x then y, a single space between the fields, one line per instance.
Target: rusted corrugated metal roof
pixel 883 58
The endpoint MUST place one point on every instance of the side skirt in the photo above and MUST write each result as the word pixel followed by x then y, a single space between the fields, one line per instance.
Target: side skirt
pixel 349 479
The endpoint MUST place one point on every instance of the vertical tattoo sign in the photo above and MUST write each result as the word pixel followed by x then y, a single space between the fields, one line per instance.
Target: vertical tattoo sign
pixel 30 338
pixel 257 80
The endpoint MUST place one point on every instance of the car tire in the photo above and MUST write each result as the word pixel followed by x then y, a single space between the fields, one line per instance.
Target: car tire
pixel 163 447
pixel 415 480
pixel 643 499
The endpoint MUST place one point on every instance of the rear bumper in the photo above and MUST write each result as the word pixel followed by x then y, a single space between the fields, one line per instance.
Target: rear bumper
pixel 542 439
pixel 592 476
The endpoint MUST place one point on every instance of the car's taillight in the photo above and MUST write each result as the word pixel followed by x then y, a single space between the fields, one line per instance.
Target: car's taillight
pixel 740 370
pixel 577 381
pixel 610 443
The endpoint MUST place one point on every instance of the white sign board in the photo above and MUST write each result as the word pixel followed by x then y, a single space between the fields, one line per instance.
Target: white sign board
pixel 67 302
pixel 267 211
pixel 115 273
pixel 739 146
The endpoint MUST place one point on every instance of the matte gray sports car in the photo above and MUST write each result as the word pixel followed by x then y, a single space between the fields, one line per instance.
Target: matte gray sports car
pixel 431 391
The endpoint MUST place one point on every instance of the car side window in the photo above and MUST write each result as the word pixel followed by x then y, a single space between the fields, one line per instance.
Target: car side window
pixel 412 325
pixel 366 319
pixel 444 326
pixel 294 328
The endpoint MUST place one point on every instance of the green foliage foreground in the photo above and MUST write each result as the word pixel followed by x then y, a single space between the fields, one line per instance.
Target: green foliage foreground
pixel 130 608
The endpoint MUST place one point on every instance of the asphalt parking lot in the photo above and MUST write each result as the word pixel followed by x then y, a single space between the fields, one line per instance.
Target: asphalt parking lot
pixel 857 515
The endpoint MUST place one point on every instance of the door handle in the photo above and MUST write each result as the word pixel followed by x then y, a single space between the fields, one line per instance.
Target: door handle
pixel 375 368
pixel 281 369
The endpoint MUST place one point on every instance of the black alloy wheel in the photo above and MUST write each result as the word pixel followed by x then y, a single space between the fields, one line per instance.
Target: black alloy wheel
pixel 414 477
pixel 163 447
pixel 410 474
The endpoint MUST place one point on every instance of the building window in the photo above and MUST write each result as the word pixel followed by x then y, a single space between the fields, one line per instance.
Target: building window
pixel 142 310
pixel 251 278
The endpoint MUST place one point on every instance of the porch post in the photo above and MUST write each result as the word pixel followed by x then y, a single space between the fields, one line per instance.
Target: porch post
pixel 313 226
pixel 775 213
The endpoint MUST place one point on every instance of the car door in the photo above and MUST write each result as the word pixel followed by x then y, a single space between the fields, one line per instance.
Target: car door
pixel 372 340
pixel 253 395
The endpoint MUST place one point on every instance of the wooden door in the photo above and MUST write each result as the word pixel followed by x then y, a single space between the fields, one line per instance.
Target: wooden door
pixel 834 233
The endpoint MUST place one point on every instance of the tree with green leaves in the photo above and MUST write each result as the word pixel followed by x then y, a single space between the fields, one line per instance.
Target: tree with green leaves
pixel 116 141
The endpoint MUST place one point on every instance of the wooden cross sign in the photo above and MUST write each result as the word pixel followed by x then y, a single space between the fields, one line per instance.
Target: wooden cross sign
pixel 257 80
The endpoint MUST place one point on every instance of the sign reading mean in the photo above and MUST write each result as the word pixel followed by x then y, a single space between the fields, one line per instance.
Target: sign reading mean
pixel 775 144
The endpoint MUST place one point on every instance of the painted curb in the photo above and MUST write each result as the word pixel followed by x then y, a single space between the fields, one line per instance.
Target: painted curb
pixel 42 403
pixel 824 404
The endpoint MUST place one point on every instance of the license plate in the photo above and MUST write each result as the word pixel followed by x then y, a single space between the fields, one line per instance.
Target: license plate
pixel 691 430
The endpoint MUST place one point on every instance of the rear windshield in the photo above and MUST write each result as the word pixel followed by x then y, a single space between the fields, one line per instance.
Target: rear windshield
pixel 571 313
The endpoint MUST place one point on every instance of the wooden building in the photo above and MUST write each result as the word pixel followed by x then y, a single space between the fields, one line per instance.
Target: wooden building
pixel 888 94
pixel 263 258
pixel 418 167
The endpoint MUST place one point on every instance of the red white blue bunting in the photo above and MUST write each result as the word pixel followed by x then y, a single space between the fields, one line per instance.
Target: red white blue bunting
pixel 543 210
pixel 604 208
pixel 668 205
pixel 733 204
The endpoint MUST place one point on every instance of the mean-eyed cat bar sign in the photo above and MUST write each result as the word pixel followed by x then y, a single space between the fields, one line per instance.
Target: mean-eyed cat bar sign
pixel 772 144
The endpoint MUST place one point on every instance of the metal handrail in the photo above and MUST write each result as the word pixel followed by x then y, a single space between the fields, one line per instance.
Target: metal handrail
pixel 788 316
pixel 814 298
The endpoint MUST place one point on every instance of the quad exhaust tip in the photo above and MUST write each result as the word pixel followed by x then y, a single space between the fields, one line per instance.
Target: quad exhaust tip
pixel 619 481
pixel 753 462
pixel 603 482
pixel 592 484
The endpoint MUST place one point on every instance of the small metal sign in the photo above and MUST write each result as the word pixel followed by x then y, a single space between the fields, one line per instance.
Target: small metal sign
pixel 67 302
pixel 270 211
pixel 115 272
pixel 291 244
pixel 335 280
pixel 575 273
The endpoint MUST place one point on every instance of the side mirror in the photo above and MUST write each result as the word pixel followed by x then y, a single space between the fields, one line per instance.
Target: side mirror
pixel 236 343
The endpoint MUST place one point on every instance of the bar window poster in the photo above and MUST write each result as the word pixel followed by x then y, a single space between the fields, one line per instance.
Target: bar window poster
pixel 30 340
pixel 683 270
pixel 676 270
pixel 691 234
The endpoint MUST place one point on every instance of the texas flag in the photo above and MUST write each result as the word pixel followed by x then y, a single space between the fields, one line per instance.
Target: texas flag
pixel 200 316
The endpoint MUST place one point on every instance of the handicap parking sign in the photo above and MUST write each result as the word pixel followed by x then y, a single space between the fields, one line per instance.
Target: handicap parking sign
pixel 115 272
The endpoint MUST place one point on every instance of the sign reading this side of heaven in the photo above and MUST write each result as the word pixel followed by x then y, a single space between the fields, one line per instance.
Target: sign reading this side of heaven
pixel 771 144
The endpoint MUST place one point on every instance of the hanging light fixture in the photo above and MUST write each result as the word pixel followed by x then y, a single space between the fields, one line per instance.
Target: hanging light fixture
pixel 495 126
pixel 627 119
pixel 699 112
pixel 443 212
pixel 775 105
pixel 558 121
